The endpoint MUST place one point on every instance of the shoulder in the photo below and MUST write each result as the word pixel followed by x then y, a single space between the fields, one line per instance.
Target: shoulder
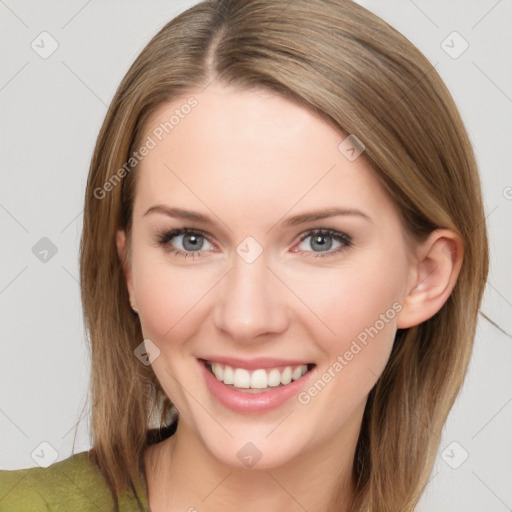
pixel 71 484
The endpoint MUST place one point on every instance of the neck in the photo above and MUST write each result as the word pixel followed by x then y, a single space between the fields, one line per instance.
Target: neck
pixel 183 475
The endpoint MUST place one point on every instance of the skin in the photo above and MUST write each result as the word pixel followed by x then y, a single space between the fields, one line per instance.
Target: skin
pixel 249 160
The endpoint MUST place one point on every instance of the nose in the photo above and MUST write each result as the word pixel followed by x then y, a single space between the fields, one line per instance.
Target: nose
pixel 250 302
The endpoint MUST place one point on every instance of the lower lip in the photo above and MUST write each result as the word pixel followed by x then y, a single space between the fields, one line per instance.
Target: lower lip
pixel 244 402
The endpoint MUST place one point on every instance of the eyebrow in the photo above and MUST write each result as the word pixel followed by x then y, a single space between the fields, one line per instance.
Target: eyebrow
pixel 291 221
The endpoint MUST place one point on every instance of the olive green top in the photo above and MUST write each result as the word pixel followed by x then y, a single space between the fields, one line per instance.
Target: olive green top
pixel 71 485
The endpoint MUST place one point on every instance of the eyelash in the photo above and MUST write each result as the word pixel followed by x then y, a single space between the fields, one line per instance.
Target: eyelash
pixel 163 240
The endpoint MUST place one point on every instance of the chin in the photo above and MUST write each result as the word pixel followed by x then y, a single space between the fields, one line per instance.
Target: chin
pixel 253 452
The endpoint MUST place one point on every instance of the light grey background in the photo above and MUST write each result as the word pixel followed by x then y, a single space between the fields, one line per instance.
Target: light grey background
pixel 52 110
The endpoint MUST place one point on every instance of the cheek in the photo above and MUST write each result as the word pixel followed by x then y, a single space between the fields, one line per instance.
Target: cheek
pixel 356 309
pixel 347 302
pixel 169 297
pixel 361 310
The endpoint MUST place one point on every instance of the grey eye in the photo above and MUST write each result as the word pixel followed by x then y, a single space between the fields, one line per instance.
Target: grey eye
pixel 192 242
pixel 318 243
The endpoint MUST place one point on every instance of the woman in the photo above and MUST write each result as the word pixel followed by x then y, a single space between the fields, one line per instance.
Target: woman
pixel 283 256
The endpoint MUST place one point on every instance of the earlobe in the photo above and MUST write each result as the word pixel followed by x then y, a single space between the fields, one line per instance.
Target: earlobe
pixel 435 274
pixel 125 262
pixel 121 244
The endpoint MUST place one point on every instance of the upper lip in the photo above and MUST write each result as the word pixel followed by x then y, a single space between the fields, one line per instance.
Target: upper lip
pixel 255 363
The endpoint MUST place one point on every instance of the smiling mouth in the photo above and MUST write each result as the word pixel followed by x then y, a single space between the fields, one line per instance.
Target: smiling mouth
pixel 257 380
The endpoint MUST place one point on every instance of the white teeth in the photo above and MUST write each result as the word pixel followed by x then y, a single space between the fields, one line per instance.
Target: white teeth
pixel 286 376
pixel 217 371
pixel 229 376
pixel 297 373
pixel 242 378
pixel 274 377
pixel 258 379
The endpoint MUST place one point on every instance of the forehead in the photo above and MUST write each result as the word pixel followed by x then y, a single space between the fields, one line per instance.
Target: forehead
pixel 246 150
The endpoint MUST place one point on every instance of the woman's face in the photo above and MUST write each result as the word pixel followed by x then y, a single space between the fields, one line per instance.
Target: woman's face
pixel 270 280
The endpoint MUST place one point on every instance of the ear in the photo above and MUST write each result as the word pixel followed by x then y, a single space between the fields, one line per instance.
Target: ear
pixel 435 271
pixel 122 252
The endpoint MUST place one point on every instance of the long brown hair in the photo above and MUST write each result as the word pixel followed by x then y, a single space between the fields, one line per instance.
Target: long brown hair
pixel 364 78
